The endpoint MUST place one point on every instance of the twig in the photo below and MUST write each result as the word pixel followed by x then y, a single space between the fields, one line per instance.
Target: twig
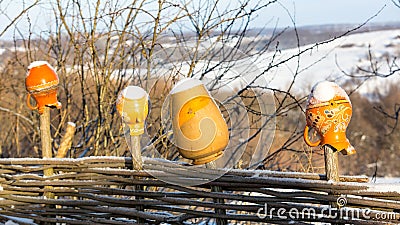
pixel 17 114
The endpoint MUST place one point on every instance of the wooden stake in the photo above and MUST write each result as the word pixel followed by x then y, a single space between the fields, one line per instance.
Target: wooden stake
pixel 137 164
pixel 136 152
pixel 332 169
pixel 45 137
pixel 66 141
pixel 331 163
pixel 219 221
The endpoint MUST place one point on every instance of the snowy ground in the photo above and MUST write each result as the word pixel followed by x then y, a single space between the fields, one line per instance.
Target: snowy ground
pixel 329 60
pixel 383 180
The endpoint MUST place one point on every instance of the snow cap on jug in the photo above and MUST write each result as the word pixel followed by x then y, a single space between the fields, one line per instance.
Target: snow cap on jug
pixel 185 84
pixel 325 91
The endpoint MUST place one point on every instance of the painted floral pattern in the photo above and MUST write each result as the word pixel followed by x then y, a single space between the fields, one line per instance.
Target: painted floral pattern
pixel 338 117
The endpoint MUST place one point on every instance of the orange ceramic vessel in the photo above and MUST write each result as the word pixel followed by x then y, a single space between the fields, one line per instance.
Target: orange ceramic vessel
pixel 132 105
pixel 200 131
pixel 41 83
pixel 330 119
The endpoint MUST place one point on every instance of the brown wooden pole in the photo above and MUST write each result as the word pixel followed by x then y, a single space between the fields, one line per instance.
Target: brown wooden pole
pixel 219 221
pixel 136 152
pixel 66 141
pixel 331 163
pixel 45 137
pixel 137 164
pixel 332 170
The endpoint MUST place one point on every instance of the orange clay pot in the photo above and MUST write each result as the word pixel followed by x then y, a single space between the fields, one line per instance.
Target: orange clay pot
pixel 41 83
pixel 132 105
pixel 330 119
pixel 200 131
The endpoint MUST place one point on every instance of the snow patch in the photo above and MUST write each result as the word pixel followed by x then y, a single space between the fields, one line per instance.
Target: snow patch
pixel 16 220
pixel 385 184
pixel 185 84
pixel 390 187
pixel 133 92
pixel 38 63
pixel 329 61
pixel 72 124
pixel 324 91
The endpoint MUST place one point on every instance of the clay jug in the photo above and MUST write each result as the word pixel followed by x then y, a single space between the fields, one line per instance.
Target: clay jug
pixel 200 131
pixel 132 105
pixel 329 111
pixel 41 83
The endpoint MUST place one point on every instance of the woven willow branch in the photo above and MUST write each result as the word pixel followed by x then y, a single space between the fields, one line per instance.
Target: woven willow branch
pixel 102 190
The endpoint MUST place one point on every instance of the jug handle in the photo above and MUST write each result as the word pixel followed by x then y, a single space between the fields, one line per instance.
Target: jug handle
pixel 28 102
pixel 307 138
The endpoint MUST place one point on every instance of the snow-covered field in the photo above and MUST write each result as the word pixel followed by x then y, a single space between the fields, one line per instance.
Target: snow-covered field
pixel 328 61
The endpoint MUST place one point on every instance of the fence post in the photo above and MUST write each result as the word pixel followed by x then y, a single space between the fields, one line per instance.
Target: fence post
pixel 45 137
pixel 331 169
pixel 331 163
pixel 219 221
pixel 133 106
pixel 137 165
pixel 66 141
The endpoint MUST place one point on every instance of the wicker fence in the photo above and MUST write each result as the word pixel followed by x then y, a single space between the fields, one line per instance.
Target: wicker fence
pixel 105 190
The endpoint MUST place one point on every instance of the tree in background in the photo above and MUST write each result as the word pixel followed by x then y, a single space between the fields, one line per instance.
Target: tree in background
pixel 100 47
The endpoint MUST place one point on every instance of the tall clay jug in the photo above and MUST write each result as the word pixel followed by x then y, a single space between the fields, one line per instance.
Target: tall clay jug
pixel 200 131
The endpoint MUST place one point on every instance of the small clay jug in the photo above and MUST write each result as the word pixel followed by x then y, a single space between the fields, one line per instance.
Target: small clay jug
pixel 132 105
pixel 41 83
pixel 329 111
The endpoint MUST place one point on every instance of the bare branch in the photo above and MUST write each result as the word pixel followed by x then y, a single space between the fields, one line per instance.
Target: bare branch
pixel 17 114
pixel 16 18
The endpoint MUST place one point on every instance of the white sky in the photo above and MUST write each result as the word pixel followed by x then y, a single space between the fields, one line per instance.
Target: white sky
pixel 313 12
pixel 305 12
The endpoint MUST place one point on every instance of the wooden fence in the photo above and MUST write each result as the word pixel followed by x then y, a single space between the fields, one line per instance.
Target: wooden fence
pixel 106 190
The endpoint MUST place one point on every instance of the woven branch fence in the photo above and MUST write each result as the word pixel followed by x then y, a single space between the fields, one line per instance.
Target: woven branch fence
pixel 106 190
